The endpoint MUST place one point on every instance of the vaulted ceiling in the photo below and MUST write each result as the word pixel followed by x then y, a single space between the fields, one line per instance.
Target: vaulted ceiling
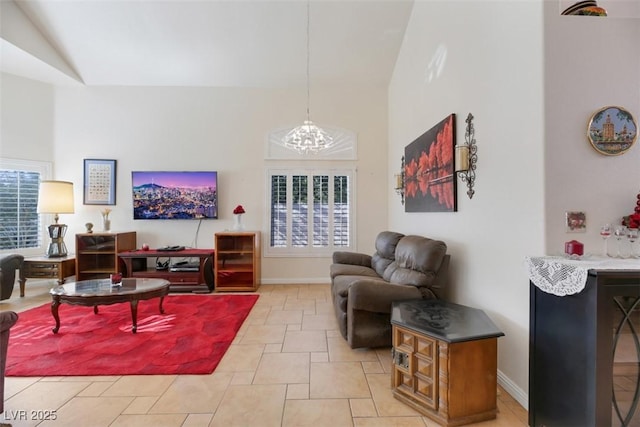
pixel 228 43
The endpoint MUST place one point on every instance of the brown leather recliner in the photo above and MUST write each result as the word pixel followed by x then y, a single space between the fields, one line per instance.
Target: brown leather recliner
pixel 7 320
pixel 8 265
pixel 364 286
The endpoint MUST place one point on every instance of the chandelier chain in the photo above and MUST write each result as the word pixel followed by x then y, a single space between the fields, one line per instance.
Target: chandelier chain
pixel 308 58
pixel 308 138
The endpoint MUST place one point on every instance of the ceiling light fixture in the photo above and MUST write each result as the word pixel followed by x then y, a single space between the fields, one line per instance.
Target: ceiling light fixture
pixel 308 138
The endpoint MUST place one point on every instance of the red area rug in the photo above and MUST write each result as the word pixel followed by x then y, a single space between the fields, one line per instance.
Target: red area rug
pixel 189 338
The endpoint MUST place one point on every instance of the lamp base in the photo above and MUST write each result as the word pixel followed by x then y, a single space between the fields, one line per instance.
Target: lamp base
pixel 57 248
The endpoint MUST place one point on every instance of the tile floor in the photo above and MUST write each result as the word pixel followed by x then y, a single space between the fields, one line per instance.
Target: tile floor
pixel 288 366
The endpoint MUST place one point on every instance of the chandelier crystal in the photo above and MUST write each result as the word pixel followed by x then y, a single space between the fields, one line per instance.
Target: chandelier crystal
pixel 308 138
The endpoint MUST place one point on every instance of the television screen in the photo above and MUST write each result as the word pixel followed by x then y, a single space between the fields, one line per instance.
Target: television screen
pixel 175 195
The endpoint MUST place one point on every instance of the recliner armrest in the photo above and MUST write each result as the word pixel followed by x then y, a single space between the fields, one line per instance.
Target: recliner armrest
pixel 7 320
pixel 11 262
pixel 377 297
pixel 353 258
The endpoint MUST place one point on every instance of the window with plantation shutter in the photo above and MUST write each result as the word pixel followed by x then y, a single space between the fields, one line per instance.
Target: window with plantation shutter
pixel 20 225
pixel 278 211
pixel 310 212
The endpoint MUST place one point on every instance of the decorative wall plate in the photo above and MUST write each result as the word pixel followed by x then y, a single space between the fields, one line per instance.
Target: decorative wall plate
pixel 612 130
pixel 588 8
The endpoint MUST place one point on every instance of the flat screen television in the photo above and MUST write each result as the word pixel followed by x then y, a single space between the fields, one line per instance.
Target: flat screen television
pixel 175 195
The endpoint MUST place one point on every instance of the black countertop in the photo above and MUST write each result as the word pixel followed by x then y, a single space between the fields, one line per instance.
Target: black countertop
pixel 443 320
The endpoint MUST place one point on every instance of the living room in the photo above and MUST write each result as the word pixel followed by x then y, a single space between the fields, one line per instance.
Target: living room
pixel 528 75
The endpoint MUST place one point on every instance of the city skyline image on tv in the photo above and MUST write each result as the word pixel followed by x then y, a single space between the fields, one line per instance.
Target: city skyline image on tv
pixel 175 195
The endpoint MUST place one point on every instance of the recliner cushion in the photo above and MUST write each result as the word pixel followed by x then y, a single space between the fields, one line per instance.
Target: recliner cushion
pixel 417 260
pixel 386 243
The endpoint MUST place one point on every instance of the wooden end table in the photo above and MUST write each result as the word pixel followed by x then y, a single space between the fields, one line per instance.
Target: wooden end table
pixel 445 360
pixel 92 293
pixel 42 267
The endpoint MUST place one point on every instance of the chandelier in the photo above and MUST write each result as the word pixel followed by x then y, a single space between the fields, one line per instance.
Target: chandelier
pixel 308 138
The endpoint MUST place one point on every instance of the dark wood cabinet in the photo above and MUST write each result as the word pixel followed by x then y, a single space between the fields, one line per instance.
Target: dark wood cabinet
pixel 585 353
pixel 188 270
pixel 97 253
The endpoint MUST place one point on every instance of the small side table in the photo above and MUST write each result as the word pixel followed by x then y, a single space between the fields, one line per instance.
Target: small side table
pixel 445 360
pixel 46 268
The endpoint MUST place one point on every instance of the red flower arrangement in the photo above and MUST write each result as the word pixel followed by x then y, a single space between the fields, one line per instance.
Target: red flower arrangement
pixel 633 220
pixel 238 210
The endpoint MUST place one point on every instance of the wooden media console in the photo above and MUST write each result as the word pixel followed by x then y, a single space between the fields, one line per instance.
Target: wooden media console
pixel 182 279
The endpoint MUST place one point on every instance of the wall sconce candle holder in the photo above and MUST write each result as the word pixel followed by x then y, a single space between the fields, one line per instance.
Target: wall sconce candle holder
pixel 400 181
pixel 467 156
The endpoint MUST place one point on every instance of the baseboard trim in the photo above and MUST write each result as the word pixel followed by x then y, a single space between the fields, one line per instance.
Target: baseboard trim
pixel 516 392
pixel 300 281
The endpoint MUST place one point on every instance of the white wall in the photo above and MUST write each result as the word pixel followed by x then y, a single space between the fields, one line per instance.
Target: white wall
pixel 152 128
pixel 532 79
pixel 26 119
pixel 589 64
pixel 484 58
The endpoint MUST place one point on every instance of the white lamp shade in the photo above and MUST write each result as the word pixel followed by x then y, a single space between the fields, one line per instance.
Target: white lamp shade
pixel 55 197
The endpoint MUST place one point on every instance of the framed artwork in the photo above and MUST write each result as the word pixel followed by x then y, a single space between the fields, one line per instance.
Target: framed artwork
pixel 99 182
pixel 429 177
pixel 576 222
pixel 612 130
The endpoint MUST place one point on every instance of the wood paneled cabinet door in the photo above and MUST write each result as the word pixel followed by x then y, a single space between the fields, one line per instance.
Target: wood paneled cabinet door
pixel 450 377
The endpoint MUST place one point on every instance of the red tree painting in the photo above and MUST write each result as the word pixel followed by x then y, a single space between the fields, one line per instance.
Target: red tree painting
pixel 429 178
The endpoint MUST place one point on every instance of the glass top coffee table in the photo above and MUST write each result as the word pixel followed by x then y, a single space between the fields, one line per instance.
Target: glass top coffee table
pixel 100 292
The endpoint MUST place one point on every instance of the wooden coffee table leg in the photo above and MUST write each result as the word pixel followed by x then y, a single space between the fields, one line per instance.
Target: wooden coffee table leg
pixel 134 315
pixel 54 310
pixel 161 309
pixel 23 281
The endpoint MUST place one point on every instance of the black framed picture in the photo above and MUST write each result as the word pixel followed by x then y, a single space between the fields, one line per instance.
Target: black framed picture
pixel 99 182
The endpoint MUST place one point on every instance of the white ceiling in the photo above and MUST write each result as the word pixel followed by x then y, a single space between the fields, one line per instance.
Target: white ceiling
pixel 248 43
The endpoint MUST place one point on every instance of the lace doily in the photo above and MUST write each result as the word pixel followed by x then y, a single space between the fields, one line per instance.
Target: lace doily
pixel 564 276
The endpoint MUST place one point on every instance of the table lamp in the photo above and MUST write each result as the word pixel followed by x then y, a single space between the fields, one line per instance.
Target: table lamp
pixel 56 197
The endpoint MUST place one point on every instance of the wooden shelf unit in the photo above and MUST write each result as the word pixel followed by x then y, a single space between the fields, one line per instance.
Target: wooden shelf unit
pixel 181 281
pixel 237 261
pixel 97 253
